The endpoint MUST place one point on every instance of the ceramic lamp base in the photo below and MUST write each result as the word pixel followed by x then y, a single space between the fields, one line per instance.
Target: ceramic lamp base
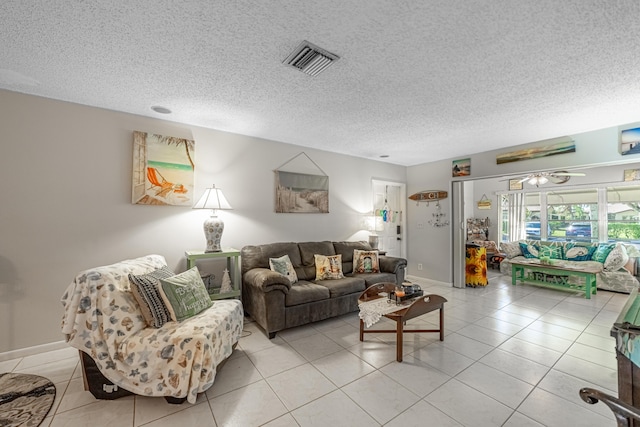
pixel 373 241
pixel 213 228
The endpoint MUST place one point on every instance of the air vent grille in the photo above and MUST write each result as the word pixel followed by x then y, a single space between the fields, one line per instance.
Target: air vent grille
pixel 310 59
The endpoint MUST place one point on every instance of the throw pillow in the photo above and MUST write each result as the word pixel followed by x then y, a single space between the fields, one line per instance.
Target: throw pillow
pixel 529 250
pixel 328 267
pixel 365 261
pixel 617 258
pixel 284 266
pixel 185 294
pixel 549 251
pixel 511 249
pixel 602 252
pixel 578 252
pixel 145 291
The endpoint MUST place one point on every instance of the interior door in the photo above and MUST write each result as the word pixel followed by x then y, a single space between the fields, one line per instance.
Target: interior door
pixel 389 202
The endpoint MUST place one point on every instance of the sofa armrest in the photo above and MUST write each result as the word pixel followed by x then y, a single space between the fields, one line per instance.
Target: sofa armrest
pixel 266 280
pixel 389 264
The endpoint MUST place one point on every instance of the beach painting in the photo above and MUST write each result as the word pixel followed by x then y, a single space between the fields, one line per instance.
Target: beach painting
pixel 532 153
pixel 461 167
pixel 163 170
pixel 630 141
pixel 301 193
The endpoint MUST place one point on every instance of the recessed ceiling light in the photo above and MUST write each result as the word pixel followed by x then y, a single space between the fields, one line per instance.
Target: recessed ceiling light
pixel 161 110
pixel 384 156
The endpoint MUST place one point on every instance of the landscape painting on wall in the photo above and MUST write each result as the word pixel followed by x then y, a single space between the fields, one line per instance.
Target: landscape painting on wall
pixel 630 141
pixel 301 193
pixel 163 170
pixel 532 153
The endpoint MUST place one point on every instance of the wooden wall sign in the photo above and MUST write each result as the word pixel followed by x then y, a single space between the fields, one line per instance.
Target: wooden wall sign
pixel 429 196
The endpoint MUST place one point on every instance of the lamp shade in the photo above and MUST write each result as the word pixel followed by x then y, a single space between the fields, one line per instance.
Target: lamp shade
pixel 213 198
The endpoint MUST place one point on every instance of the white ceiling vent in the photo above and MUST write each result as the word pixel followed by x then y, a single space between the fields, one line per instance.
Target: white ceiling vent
pixel 310 59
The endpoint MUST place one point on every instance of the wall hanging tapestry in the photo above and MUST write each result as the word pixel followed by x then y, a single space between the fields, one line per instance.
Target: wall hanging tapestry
pixel 163 170
pixel 298 192
pixel 25 400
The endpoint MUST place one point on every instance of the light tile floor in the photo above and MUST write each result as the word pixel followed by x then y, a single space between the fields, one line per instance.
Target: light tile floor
pixel 512 356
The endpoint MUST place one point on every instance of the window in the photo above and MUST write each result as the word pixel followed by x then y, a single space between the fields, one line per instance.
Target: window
pixel 623 213
pixel 573 214
pixel 578 214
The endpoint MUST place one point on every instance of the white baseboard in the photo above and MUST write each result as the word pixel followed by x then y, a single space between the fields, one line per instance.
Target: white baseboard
pixel 30 351
pixel 419 280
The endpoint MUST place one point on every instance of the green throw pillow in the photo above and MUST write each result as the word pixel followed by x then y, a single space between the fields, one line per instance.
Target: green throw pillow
pixel 185 294
pixel 529 251
pixel 548 251
pixel 602 252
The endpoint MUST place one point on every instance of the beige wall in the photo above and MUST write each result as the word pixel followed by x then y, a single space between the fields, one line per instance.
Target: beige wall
pixel 65 203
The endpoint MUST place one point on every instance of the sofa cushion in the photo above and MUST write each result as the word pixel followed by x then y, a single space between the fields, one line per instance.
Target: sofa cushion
pixel 328 267
pixel 602 252
pixel 258 256
pixel 284 266
pixel 346 249
pixel 144 288
pixel 304 292
pixel 365 261
pixel 617 258
pixel 185 294
pixel 373 278
pixel 307 260
pixel 344 286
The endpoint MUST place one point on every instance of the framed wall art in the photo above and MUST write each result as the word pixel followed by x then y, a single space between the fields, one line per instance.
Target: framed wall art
pixel 567 146
pixel 515 184
pixel 163 170
pixel 461 167
pixel 630 141
pixel 632 174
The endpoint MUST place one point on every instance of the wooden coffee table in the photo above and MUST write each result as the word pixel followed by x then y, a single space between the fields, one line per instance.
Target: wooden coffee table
pixel 407 310
pixel 555 276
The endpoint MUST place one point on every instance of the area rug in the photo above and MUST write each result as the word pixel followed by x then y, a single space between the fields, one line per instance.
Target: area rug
pixel 25 400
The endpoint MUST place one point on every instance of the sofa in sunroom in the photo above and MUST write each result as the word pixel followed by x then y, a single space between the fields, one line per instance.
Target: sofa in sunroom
pixel 615 261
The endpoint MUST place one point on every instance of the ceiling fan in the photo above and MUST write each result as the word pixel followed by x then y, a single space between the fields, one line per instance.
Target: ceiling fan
pixel 557 177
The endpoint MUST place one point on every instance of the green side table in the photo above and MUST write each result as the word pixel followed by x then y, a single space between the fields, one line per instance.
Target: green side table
pixel 233 265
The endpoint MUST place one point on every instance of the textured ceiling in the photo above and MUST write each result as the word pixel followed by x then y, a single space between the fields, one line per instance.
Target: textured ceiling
pixel 417 80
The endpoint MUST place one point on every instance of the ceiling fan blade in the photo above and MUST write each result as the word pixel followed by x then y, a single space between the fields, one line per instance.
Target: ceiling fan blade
pixel 559 179
pixel 526 178
pixel 561 173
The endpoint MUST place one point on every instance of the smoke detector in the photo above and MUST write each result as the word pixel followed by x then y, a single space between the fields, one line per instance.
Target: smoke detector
pixel 310 59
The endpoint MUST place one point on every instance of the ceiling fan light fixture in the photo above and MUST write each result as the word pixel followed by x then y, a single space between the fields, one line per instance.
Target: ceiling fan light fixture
pixel 538 180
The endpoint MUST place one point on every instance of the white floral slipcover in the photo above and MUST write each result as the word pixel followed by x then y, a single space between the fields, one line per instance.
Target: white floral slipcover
pixel 102 318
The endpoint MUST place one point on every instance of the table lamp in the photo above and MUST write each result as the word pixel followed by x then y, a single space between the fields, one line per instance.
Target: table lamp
pixel 213 226
pixel 374 223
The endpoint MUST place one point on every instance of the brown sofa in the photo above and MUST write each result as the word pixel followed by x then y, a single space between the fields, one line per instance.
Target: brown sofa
pixel 276 304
